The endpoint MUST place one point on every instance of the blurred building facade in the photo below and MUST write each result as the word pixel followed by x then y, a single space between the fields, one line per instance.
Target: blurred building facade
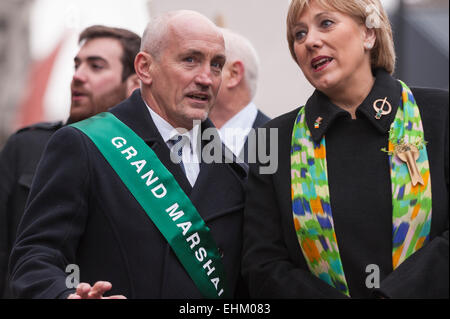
pixel 420 31
pixel 14 59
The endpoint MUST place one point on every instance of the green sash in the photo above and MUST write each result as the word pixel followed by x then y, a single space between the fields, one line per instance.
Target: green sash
pixel 165 203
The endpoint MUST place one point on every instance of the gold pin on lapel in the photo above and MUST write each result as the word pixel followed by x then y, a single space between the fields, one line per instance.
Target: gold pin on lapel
pixel 379 107
pixel 318 122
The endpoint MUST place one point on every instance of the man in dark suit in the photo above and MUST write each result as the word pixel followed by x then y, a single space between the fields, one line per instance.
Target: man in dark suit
pixel 104 76
pixel 234 114
pixel 81 212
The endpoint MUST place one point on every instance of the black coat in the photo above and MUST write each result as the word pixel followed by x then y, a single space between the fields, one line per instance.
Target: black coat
pixel 260 120
pixel 80 213
pixel 361 201
pixel 18 161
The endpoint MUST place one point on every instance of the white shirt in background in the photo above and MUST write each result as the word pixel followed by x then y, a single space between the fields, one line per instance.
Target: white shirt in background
pixel 234 132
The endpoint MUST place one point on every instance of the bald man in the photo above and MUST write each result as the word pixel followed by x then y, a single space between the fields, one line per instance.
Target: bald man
pixel 235 114
pixel 112 209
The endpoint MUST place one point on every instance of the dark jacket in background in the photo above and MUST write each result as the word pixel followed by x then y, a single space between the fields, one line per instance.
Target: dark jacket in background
pixel 260 120
pixel 18 161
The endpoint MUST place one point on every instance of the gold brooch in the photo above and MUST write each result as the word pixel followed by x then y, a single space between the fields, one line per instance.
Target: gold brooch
pixel 409 154
pixel 380 109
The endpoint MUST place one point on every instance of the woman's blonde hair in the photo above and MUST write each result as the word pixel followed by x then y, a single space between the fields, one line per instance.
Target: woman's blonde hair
pixel 368 12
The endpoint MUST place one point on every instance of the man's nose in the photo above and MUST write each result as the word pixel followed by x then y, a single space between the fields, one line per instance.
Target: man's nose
pixel 80 74
pixel 204 77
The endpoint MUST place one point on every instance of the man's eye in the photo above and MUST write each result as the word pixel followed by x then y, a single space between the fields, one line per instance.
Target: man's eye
pixel 189 59
pixel 217 65
pixel 96 66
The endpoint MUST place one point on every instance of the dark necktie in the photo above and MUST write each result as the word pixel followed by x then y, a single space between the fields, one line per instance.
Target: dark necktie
pixel 176 145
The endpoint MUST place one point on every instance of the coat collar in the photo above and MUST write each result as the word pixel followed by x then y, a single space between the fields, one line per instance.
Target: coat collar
pixel 319 105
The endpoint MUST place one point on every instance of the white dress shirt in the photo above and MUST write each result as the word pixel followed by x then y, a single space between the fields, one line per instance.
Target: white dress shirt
pixel 190 157
pixel 234 132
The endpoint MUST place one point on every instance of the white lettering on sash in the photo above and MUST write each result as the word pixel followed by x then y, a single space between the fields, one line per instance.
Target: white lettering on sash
pixel 194 239
pixel 157 188
pixel 215 282
pixel 118 142
pixel 131 151
pixel 207 265
pixel 201 254
pixel 139 165
pixel 186 226
pixel 149 175
pixel 173 212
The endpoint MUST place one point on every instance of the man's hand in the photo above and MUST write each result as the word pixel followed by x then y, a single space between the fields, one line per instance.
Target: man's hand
pixel 85 291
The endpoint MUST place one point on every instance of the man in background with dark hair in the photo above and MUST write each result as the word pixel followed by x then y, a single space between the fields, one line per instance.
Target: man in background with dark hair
pixel 104 70
pixel 104 76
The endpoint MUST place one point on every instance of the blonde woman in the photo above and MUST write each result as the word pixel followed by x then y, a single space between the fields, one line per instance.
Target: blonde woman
pixel 359 204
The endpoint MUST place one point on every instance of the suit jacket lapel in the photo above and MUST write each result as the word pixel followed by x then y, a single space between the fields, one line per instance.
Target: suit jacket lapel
pixel 219 187
pixel 260 120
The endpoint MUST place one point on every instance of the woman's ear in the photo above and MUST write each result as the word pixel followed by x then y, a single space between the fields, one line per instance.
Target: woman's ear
pixel 142 64
pixel 370 38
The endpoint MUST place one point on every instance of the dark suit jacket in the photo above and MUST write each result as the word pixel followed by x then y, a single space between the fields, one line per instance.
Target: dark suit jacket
pixel 260 120
pixel 273 262
pixel 18 161
pixel 80 213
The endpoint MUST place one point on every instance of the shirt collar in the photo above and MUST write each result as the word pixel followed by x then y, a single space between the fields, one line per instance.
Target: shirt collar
pixel 234 132
pixel 166 130
pixel 243 119
pixel 319 105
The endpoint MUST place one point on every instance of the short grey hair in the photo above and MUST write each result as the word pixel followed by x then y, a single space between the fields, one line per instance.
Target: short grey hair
pixel 238 48
pixel 155 33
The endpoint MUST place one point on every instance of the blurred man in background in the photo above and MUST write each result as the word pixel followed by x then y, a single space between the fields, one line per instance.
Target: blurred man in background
pixel 234 113
pixel 104 76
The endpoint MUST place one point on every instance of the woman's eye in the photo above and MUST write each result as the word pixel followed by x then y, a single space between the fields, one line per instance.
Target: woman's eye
pixel 326 23
pixel 300 35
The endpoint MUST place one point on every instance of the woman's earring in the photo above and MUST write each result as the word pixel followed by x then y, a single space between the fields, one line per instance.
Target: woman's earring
pixel 369 46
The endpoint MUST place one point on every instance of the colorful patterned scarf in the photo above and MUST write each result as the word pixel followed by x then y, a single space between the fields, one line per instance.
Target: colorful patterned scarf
pixel 311 206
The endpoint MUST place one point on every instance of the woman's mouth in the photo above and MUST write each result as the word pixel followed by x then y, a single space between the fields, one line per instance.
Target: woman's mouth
pixel 320 63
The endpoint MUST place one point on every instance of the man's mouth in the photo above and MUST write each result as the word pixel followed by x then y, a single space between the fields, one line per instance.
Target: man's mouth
pixel 320 62
pixel 200 97
pixel 76 95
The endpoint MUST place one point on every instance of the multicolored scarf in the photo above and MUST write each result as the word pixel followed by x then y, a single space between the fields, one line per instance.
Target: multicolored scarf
pixel 313 219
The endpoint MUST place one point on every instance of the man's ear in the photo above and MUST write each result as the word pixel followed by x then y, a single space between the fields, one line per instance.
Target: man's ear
pixel 142 64
pixel 235 74
pixel 132 83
